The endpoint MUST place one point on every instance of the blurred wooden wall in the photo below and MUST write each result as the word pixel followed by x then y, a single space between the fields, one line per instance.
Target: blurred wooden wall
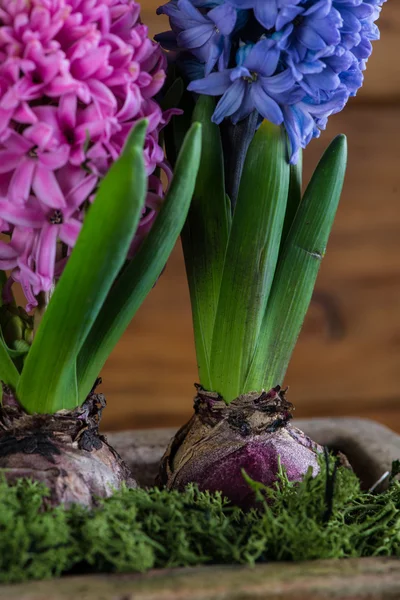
pixel 347 361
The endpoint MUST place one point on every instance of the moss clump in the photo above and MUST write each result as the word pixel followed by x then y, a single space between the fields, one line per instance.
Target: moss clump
pixel 323 517
pixel 34 543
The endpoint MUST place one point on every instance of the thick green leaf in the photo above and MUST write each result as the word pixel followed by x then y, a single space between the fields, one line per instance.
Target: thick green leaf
pixel 48 380
pixel 8 371
pixel 297 270
pixel 205 237
pixel 251 259
pixel 294 196
pixel 140 275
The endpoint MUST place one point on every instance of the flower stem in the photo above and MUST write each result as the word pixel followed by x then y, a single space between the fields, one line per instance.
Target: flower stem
pixel 43 301
pixel 236 140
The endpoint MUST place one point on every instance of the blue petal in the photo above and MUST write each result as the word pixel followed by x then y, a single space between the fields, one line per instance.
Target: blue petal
pixel 310 38
pixel 263 58
pixel 266 13
pixel 191 11
pixel 195 37
pixel 215 84
pixel 266 106
pixel 224 18
pixel 230 101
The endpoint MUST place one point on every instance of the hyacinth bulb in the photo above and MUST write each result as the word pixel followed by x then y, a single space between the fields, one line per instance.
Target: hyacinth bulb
pixel 251 434
pixel 75 77
pixel 64 452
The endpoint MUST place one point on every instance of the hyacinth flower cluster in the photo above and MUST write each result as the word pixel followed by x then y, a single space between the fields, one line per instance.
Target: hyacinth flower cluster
pixel 75 76
pixel 295 62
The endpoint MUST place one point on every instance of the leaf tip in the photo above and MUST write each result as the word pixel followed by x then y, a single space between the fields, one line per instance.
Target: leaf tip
pixel 137 136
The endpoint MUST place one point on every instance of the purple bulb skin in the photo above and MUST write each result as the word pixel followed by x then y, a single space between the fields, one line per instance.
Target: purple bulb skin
pixel 252 434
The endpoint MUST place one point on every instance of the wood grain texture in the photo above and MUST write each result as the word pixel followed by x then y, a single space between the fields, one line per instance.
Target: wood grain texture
pixel 347 361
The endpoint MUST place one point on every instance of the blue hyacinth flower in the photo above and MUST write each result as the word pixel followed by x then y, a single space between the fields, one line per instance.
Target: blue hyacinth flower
pixel 252 85
pixel 207 36
pixel 298 65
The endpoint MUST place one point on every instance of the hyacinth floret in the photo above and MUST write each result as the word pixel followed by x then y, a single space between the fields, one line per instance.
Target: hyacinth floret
pixel 75 76
pixel 207 36
pixel 323 44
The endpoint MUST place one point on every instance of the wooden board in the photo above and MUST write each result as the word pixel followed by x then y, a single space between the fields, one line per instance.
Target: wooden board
pixel 347 360
pixel 355 579
pixel 382 82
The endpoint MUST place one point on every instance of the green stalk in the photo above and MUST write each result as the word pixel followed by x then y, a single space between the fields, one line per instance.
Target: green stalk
pixel 140 275
pixel 297 270
pixel 205 237
pixel 251 259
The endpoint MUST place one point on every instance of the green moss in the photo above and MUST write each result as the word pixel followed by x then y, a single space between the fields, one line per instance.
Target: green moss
pixel 323 517
pixel 34 543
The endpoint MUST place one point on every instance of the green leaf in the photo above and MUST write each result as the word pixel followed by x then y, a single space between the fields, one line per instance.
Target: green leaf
pixel 294 196
pixel 205 237
pixel 48 380
pixel 21 348
pixel 297 270
pixel 250 260
pixel 8 371
pixel 142 272
pixel 173 95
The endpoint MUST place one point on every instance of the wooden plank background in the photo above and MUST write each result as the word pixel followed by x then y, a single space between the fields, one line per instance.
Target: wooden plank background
pixel 347 361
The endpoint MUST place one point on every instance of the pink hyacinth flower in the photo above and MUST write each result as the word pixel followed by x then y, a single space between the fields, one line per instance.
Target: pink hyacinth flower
pixel 75 77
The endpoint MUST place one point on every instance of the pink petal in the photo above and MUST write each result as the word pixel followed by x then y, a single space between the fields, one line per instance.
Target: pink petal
pixel 85 67
pixel 8 161
pixel 21 181
pixel 23 279
pixel 68 177
pixel 8 256
pixel 46 255
pixel 93 130
pixel 46 187
pixel 77 156
pixel 5 116
pixel 11 99
pixel 63 84
pixel 80 193
pixel 69 232
pixel 17 144
pixel 67 111
pixel 21 215
pixel 24 114
pixel 56 159
pixel 4 184
pixel 102 93
pixel 48 115
pixel 131 106
pixel 152 88
pixel 39 134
